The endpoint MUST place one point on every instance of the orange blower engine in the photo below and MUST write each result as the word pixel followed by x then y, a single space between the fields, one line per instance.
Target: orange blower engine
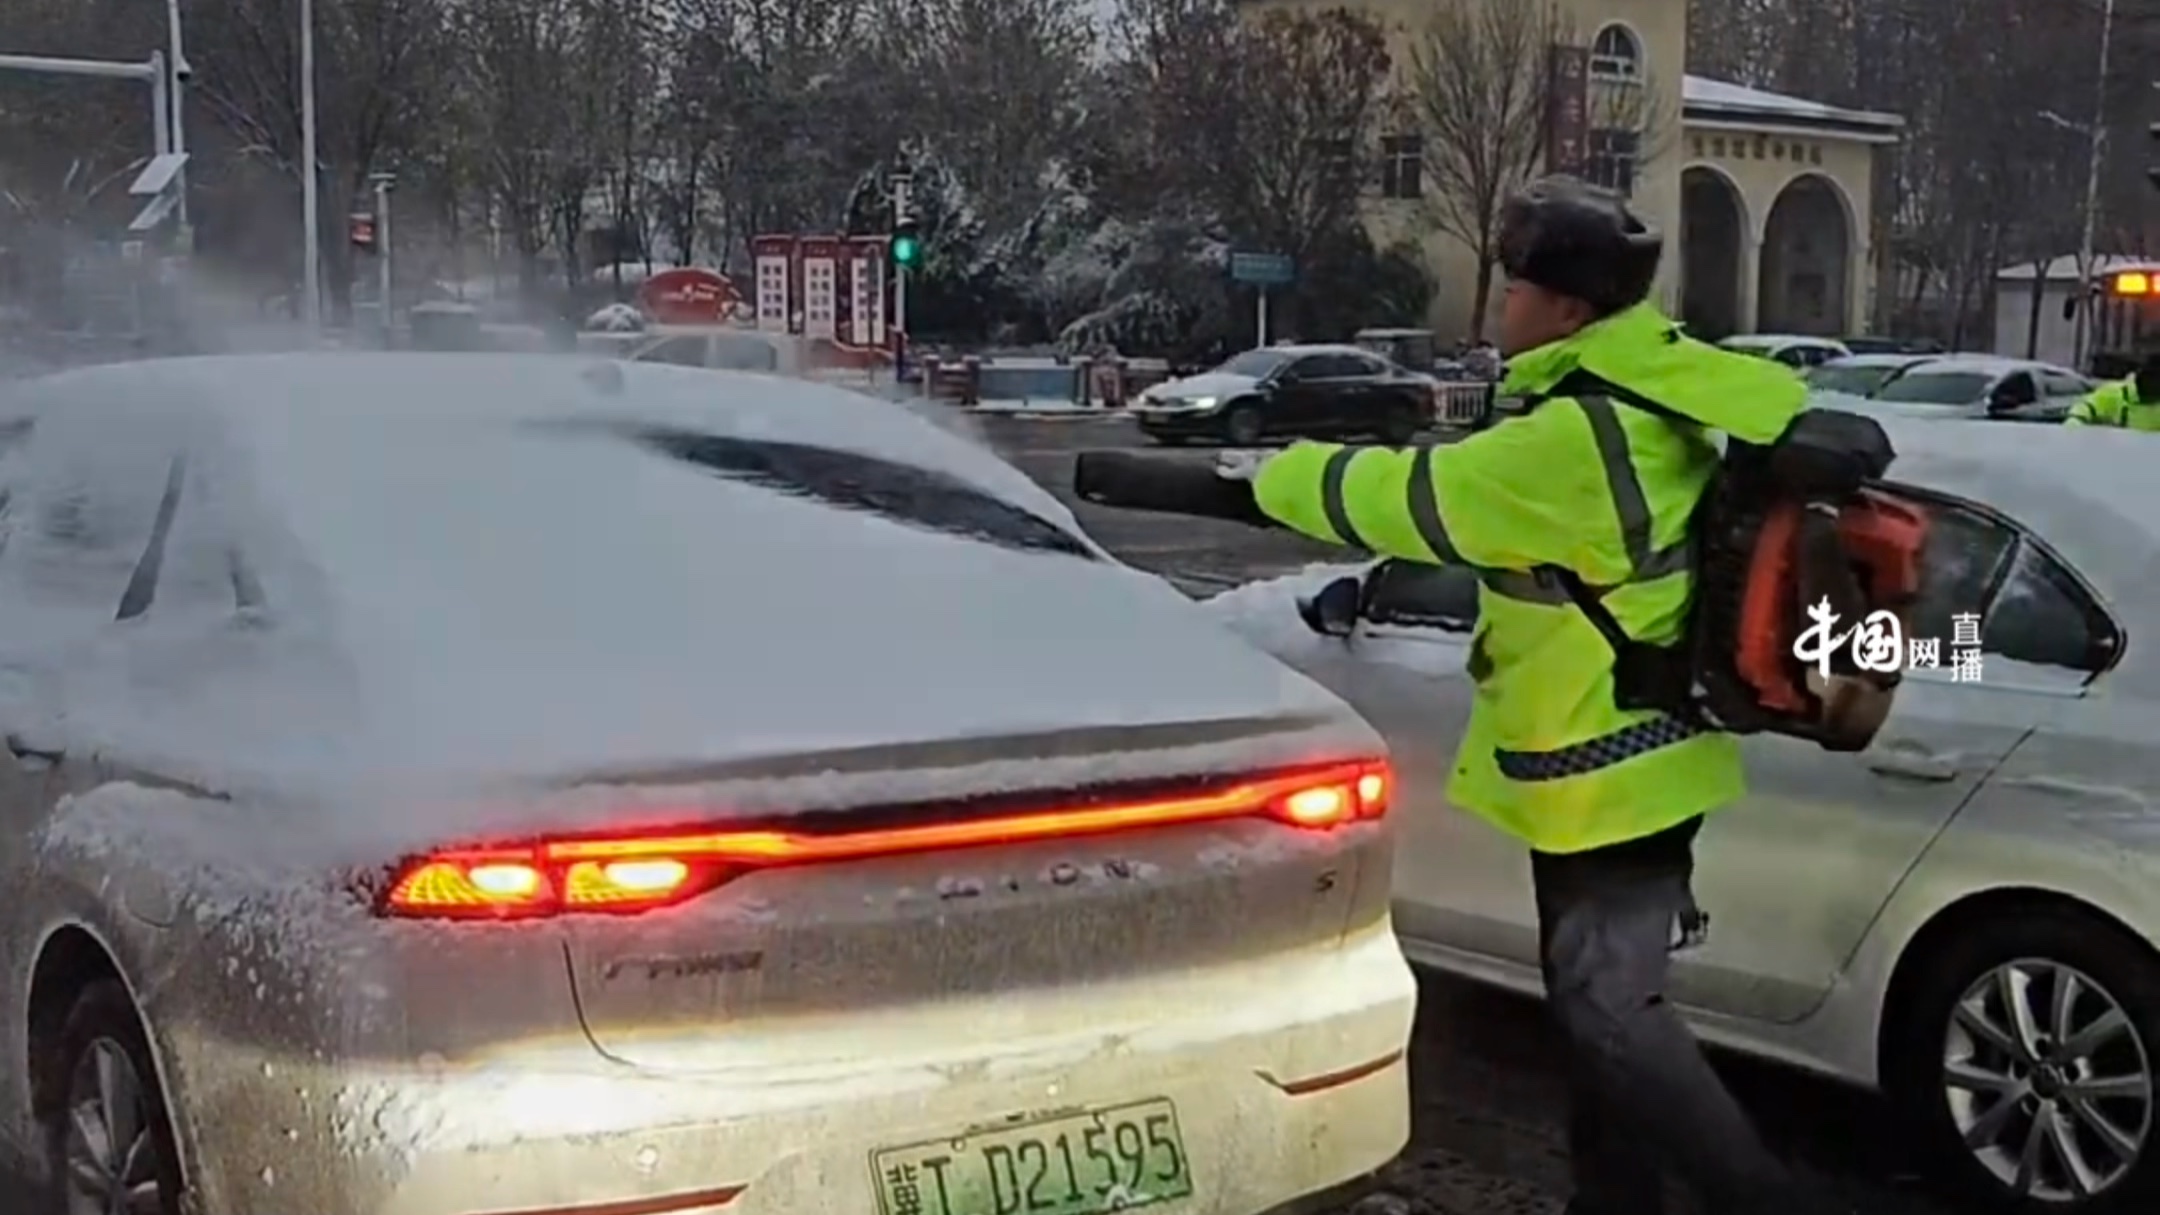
pixel 1801 523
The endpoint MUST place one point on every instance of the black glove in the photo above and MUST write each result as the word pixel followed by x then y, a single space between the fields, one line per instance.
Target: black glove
pixel 1168 484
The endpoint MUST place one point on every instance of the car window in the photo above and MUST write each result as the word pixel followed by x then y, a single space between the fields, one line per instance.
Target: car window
pixel 677 352
pixel 1361 365
pixel 904 493
pixel 1936 388
pixel 2044 615
pixel 1415 595
pixel 2032 608
pixel 1967 554
pixel 1255 363
pixel 2063 384
pixel 741 352
pixel 1852 381
pixel 2017 388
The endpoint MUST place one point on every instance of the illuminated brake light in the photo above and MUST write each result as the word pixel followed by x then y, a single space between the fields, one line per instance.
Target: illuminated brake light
pixel 2132 282
pixel 631 873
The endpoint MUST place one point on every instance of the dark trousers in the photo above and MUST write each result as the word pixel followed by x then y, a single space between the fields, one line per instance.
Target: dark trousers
pixel 1644 1098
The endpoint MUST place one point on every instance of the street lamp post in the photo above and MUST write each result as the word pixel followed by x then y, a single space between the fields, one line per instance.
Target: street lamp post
pixel 310 210
pixel 382 183
pixel 180 73
pixel 2083 329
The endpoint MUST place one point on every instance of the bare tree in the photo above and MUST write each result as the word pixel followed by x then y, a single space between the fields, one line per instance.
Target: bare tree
pixel 1002 83
pixel 1476 90
pixel 517 55
pixel 1274 139
pixel 378 67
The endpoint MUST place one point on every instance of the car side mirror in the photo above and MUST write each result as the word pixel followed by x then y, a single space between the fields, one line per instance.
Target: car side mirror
pixel 1334 610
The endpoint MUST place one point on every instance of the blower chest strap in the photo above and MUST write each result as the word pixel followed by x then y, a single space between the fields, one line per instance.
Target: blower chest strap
pixel 1645 676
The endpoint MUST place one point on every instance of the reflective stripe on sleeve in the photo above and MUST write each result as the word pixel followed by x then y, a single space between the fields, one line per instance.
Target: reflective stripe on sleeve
pixel 1425 509
pixel 1333 501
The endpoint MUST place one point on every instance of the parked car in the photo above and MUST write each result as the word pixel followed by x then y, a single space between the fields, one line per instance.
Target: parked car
pixel 1891 345
pixel 1281 392
pixel 718 347
pixel 497 787
pixel 1859 375
pixel 1793 350
pixel 1964 915
pixel 1982 386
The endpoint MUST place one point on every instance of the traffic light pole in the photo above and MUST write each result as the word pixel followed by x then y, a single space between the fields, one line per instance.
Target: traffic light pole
pixel 902 205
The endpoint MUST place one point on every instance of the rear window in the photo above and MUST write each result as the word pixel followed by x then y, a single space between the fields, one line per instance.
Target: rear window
pixel 903 493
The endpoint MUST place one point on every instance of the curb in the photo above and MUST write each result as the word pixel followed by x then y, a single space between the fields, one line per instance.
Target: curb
pixel 1044 415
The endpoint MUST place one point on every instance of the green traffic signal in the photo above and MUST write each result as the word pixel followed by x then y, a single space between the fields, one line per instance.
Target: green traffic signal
pixel 906 248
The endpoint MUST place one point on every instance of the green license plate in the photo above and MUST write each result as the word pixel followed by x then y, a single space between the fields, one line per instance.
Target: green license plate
pixel 1113 1159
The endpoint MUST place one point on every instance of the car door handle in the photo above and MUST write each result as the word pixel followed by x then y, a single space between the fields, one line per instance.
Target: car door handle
pixel 1908 761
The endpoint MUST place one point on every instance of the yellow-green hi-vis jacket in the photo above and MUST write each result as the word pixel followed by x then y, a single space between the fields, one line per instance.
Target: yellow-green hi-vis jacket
pixel 2116 405
pixel 1587 484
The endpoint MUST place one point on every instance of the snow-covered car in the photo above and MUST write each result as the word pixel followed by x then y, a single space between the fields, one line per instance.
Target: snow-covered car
pixel 1859 375
pixel 616 318
pixel 1980 386
pixel 1966 913
pixel 446 783
pixel 1793 350
pixel 1291 391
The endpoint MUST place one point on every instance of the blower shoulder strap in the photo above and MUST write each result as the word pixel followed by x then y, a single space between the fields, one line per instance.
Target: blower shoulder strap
pixel 1590 602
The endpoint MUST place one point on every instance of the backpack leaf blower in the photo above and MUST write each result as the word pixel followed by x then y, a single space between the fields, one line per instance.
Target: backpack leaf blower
pixel 1802 522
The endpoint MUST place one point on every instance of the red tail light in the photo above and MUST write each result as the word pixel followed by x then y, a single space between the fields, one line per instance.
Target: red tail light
pixel 638 872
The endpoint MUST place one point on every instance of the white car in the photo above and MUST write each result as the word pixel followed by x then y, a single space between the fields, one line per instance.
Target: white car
pixel 1965 914
pixel 1979 386
pixel 1793 350
pixel 443 784
pixel 1858 376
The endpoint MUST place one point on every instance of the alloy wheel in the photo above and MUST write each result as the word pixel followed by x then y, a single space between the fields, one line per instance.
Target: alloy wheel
pixel 2048 1081
pixel 111 1149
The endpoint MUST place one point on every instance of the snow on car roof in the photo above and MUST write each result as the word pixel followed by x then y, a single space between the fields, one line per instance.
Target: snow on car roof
pixel 1754 340
pixel 1880 360
pixel 1982 364
pixel 476 567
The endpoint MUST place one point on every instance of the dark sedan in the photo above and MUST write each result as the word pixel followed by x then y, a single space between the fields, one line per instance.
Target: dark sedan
pixel 1284 392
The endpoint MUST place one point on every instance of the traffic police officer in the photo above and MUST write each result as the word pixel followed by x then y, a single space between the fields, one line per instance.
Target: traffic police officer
pixel 2132 404
pixel 1608 801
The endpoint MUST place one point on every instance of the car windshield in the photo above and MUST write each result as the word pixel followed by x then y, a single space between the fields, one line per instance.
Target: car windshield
pixel 1937 388
pixel 1255 363
pixel 1854 381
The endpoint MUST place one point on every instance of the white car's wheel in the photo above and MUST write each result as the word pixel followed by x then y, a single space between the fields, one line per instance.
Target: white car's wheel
pixel 109 1144
pixel 2023 1051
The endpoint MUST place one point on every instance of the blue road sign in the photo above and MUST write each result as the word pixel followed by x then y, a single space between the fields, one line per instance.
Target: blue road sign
pixel 1262 269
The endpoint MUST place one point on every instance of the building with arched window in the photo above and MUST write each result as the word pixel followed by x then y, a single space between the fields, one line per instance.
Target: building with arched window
pixel 1765 199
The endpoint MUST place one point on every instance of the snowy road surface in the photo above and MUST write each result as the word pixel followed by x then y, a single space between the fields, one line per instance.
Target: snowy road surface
pixel 1488 1137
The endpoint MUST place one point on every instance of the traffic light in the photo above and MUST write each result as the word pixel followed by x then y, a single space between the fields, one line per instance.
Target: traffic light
pixel 2134 284
pixel 906 244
